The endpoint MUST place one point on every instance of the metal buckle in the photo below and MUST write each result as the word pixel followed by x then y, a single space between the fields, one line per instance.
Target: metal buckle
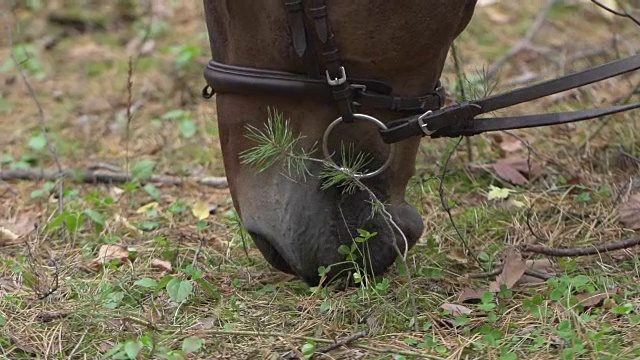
pixel 423 124
pixel 337 81
pixel 380 124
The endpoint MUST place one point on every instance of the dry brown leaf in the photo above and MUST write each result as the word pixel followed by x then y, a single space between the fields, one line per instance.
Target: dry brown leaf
pixel 540 265
pixel 630 212
pixel 7 235
pixel 458 256
pixel 590 300
pixel 609 303
pixel 470 295
pixel 13 229
pixel 110 252
pixel 517 170
pixel 119 220
pixel 497 16
pixel 512 271
pixel 511 144
pixel 22 344
pixel 161 264
pixel 456 310
pixel 206 323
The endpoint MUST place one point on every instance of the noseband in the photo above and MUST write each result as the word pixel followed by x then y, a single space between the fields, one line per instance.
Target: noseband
pixel 327 79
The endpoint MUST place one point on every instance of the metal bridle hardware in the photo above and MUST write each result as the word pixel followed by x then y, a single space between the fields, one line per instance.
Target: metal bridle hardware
pixel 337 81
pixel 380 124
pixel 423 125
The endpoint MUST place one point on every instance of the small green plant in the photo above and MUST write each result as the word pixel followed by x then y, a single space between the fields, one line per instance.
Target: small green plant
pixel 186 123
pixel 27 56
pixel 186 54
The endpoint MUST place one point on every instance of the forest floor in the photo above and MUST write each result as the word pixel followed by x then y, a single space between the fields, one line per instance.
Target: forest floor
pixel 145 269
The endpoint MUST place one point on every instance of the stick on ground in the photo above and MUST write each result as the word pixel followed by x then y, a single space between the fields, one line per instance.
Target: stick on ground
pixel 342 342
pixel 91 177
pixel 574 252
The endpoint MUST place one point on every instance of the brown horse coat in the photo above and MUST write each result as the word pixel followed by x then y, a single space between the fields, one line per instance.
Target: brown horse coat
pixel 297 226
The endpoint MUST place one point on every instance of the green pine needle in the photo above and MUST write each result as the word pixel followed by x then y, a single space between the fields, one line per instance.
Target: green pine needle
pixel 344 175
pixel 276 144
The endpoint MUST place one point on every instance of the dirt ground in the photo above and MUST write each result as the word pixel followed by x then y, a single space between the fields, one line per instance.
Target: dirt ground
pixel 146 269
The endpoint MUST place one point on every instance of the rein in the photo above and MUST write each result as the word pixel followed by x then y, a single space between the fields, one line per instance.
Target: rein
pixel 326 79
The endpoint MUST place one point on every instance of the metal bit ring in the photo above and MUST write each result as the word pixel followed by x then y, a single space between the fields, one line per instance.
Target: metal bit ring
pixel 378 123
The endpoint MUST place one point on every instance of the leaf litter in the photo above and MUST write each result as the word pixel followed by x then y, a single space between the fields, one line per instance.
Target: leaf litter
pixel 629 212
pixel 517 170
pixel 512 271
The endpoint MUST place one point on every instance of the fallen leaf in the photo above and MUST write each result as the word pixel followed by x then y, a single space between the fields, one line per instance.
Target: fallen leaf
pixel 456 310
pixel 497 16
pixel 105 346
pixel 200 210
pixel 22 344
pixel 110 252
pixel 7 235
pixel 540 265
pixel 458 256
pixel 161 264
pixel 513 269
pixel 609 303
pixel 630 212
pixel 470 295
pixel 206 323
pixel 498 193
pixel 150 206
pixel 115 192
pixel 121 220
pixel 590 300
pixel 15 228
pixel 517 170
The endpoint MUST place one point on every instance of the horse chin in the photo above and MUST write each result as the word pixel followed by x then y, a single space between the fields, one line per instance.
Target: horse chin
pixel 308 235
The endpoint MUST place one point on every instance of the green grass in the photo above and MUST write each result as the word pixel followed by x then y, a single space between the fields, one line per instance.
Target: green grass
pixel 218 301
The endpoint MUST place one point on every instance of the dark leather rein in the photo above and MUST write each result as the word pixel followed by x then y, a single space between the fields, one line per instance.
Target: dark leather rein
pixel 327 79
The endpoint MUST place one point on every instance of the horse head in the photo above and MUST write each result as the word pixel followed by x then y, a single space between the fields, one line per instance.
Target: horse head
pixel 297 222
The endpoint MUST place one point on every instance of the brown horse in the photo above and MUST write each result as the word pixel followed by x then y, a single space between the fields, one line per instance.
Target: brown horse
pixel 296 225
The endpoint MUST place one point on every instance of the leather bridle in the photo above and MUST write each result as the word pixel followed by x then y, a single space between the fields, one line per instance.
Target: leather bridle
pixel 327 79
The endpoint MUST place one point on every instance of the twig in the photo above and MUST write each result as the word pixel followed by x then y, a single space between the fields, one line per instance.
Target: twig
pixel 529 214
pixel 445 205
pixel 88 176
pixel 497 271
pixel 463 95
pixel 630 156
pixel 624 14
pixel 538 274
pixel 41 117
pixel 318 340
pixel 574 252
pixel 105 166
pixel 344 341
pixel 524 42
pixel 129 116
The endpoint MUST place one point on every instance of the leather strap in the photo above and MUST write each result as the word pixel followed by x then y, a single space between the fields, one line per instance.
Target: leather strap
pixel 335 72
pixel 459 119
pixel 300 37
pixel 365 93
